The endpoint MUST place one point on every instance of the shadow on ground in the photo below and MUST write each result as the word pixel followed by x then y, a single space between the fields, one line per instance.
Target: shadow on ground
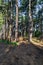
pixel 20 55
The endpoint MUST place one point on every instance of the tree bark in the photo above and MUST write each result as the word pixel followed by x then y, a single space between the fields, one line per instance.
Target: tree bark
pixel 30 22
pixel 16 30
pixel 6 25
pixel 10 26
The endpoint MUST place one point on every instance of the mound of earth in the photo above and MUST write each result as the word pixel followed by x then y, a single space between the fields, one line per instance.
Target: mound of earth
pixel 20 55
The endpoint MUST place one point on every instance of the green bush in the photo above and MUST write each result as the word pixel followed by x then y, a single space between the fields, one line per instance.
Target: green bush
pixel 8 42
pixel 14 43
pixel 37 33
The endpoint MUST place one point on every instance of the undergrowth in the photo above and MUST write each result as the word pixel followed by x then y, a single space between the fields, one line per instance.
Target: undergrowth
pixel 8 42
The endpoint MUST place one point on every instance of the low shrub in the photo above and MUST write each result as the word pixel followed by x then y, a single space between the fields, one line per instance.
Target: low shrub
pixel 8 42
pixel 37 33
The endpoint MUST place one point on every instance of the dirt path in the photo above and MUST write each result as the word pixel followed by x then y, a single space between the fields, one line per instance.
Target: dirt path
pixel 20 55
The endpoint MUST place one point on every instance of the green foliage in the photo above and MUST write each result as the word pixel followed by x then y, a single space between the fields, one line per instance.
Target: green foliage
pixel 8 42
pixel 37 33
pixel 14 43
pixel 1 20
pixel 0 2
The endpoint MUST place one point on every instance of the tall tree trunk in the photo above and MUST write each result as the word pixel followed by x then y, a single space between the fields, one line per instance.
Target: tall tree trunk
pixel 5 24
pixel 5 28
pixel 16 31
pixel 30 22
pixel 10 26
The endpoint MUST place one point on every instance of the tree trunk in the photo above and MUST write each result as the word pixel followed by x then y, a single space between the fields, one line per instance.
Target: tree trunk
pixel 30 22
pixel 10 26
pixel 6 25
pixel 16 30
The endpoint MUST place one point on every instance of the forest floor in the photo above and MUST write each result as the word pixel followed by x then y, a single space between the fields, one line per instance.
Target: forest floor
pixel 38 42
pixel 23 54
pixel 34 40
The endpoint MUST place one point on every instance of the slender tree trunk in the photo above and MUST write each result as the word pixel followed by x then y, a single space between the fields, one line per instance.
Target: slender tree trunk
pixel 30 22
pixel 16 31
pixel 5 25
pixel 10 26
pixel 11 21
pixel 8 31
pixel 5 28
